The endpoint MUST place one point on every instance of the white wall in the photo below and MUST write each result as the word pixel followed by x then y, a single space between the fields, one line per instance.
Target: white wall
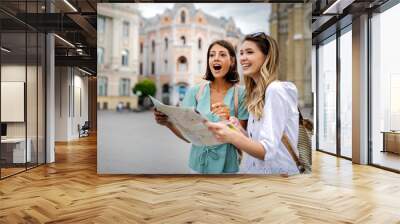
pixel 16 73
pixel 71 94
pixel 80 100
pixel 61 103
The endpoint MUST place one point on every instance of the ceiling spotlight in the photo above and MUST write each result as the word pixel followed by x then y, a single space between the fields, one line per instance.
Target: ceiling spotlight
pixel 64 40
pixel 337 7
pixel 71 6
pixel 86 72
pixel 5 50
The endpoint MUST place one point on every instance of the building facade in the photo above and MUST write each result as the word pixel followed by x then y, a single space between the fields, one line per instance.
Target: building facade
pixel 173 47
pixel 290 25
pixel 117 54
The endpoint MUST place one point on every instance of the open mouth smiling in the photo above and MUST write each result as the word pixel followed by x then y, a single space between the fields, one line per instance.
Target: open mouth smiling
pixel 245 66
pixel 217 67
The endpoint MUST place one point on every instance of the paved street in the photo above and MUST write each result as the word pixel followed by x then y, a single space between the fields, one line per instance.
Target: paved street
pixel 133 143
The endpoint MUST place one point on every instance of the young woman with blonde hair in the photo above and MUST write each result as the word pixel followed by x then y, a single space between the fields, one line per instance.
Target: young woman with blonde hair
pixel 273 110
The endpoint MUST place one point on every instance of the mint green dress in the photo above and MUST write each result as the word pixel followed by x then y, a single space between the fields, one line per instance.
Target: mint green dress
pixel 220 158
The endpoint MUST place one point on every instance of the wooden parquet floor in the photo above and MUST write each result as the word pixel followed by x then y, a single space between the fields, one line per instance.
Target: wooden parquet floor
pixel 70 191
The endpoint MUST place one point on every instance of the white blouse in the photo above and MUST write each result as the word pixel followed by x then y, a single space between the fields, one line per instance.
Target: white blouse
pixel 280 116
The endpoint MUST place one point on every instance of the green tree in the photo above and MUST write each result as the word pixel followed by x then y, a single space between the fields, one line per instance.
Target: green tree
pixel 145 88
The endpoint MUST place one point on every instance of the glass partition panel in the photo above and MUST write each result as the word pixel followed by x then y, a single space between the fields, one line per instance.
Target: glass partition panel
pixel 385 89
pixel 14 153
pixel 327 96
pixel 346 94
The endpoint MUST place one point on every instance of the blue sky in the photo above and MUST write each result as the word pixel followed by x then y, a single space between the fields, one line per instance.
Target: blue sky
pixel 249 17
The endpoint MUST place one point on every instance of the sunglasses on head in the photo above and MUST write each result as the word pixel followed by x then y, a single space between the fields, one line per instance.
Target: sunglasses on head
pixel 258 35
pixel 263 37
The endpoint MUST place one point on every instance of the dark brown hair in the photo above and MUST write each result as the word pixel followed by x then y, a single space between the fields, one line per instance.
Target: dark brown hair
pixel 232 76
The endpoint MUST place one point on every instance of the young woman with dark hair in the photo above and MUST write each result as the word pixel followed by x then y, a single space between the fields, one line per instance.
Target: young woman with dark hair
pixel 215 100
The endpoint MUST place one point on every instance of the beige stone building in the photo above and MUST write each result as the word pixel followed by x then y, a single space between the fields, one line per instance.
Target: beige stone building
pixel 173 47
pixel 290 25
pixel 117 54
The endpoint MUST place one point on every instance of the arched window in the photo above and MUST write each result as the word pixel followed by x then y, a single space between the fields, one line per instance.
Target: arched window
pixel 183 40
pixel 183 17
pixel 199 43
pixel 166 43
pixel 153 46
pixel 165 88
pixel 141 48
pixel 182 64
pixel 125 57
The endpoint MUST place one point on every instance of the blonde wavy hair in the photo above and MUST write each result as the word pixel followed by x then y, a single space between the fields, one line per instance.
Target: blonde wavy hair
pixel 258 84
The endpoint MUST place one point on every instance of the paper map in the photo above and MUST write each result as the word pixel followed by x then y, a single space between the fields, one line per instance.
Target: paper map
pixel 189 122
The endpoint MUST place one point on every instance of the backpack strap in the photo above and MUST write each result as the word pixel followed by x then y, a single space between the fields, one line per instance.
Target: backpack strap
pixel 236 99
pixel 201 90
pixel 285 141
pixel 301 119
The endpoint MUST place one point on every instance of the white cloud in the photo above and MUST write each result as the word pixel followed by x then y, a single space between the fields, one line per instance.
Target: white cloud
pixel 151 9
pixel 249 17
